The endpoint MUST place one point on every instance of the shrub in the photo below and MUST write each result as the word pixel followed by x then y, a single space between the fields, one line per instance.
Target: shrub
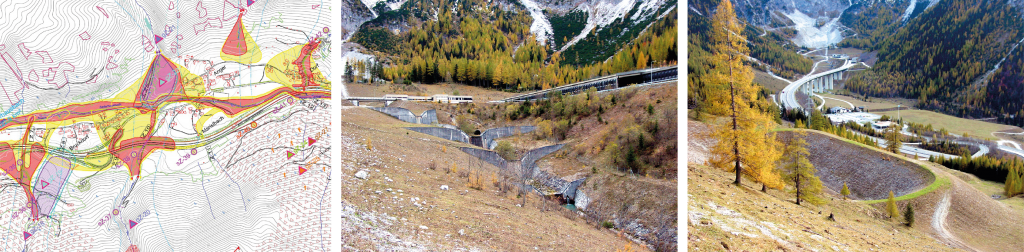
pixel 562 129
pixel 505 150
pixel 465 124
pixel 607 224
pixel 890 206
pixel 544 129
pixel 845 191
pixel 475 181
pixel 909 215
pixel 494 180
pixel 512 111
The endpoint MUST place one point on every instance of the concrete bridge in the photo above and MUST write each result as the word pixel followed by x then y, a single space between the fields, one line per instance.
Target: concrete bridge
pixel 814 83
pixel 386 100
pixel 624 79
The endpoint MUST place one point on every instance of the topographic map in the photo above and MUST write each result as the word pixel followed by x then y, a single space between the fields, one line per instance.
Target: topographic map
pixel 137 125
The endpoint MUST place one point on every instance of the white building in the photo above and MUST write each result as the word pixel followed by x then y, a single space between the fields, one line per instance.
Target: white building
pixel 881 125
pixel 856 117
pixel 838 110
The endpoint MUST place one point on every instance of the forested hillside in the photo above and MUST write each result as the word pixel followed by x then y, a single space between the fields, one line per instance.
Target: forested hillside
pixel 771 49
pixel 603 43
pixel 489 44
pixel 778 52
pixel 937 57
pixel 870 23
pixel 1006 90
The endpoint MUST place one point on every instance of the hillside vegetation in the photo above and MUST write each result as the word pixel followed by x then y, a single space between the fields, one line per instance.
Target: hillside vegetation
pixel 422 193
pixel 938 56
pixel 872 22
pixel 489 44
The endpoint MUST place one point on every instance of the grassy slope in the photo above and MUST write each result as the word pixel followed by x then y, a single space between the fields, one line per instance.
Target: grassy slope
pixel 744 219
pixel 955 125
pixel 872 105
pixel 974 218
pixel 490 220
pixel 769 82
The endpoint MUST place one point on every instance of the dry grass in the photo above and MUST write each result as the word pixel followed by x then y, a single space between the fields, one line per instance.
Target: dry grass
pixel 871 104
pixel 955 125
pixel 479 94
pixel 725 217
pixel 490 219
pixel 743 218
pixel 771 83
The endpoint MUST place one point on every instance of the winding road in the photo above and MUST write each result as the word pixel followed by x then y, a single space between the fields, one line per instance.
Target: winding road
pixel 788 95
pixel 830 98
pixel 939 223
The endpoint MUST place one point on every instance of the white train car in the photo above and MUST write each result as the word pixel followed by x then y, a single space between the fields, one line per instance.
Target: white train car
pixel 443 98
pixel 396 97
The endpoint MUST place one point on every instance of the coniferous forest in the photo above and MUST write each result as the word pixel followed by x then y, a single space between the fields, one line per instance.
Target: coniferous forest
pixel 489 44
pixel 940 58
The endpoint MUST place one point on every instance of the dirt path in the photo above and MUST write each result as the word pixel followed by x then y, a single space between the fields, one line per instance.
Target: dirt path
pixel 939 224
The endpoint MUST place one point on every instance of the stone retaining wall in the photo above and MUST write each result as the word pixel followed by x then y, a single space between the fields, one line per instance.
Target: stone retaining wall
pixel 445 133
pixel 490 135
pixel 487 156
pixel 402 114
pixel 429 117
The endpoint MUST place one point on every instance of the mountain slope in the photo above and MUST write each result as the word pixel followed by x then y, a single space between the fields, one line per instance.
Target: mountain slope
pixel 354 14
pixel 938 56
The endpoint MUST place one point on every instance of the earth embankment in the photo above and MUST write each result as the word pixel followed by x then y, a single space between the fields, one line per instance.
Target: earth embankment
pixel 869 174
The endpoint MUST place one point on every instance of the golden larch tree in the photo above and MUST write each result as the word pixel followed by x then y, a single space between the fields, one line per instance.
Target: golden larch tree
pixel 890 205
pixel 800 172
pixel 745 142
pixel 893 140
pixel 845 191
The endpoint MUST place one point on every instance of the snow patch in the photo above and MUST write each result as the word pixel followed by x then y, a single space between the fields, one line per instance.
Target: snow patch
pixel 809 36
pixel 369 5
pixel 604 13
pixel 396 5
pixel 910 9
pixel 600 15
pixel 541 26
pixel 645 10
